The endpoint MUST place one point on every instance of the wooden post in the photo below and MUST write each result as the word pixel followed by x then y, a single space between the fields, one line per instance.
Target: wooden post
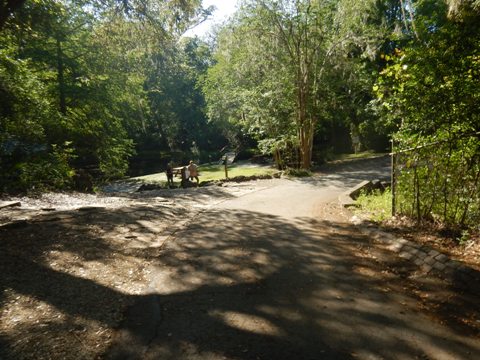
pixel 393 180
pixel 225 161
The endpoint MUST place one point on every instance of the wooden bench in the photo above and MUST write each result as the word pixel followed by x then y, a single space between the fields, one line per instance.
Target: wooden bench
pixel 177 171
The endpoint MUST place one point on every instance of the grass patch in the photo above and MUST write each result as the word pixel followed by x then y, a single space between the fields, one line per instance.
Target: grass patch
pixel 377 206
pixel 217 172
pixel 298 172
pixel 361 155
pixel 211 172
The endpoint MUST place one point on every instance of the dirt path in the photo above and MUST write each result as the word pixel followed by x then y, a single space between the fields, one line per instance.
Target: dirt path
pixel 70 264
pixel 260 270
pixel 281 274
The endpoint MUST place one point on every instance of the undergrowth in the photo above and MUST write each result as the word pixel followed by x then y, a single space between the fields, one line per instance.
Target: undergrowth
pixel 297 172
pixel 377 206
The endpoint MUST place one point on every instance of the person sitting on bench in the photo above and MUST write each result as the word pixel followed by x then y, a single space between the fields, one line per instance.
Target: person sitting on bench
pixel 193 169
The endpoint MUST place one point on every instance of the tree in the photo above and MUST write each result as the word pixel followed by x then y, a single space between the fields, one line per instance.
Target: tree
pixel 463 9
pixel 275 62
pixel 429 91
pixel 7 8
pixel 83 70
pixel 173 15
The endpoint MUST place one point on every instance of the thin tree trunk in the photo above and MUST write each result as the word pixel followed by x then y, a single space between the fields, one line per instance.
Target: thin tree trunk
pixel 474 190
pixel 433 199
pixel 304 124
pixel 61 78
pixel 417 194
pixel 445 184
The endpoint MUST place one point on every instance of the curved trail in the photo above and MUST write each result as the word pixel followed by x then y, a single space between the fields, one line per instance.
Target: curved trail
pixel 280 274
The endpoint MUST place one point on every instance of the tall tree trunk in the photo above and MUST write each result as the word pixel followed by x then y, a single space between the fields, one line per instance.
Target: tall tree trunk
pixel 306 124
pixel 61 78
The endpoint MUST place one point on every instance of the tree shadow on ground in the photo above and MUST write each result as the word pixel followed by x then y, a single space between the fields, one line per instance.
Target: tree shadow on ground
pixel 235 284
pixel 44 264
pixel 247 285
pixel 345 175
pixel 200 194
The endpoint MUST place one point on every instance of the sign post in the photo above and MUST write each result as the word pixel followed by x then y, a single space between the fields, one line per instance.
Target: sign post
pixel 225 162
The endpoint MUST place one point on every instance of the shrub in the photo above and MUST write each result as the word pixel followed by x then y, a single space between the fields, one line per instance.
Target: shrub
pixel 298 172
pixel 377 205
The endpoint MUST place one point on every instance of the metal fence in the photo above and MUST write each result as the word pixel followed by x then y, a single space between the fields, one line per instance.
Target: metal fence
pixel 439 181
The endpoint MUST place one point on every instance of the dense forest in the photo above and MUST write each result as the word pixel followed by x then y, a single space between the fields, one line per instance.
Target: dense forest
pixel 90 90
pixel 87 86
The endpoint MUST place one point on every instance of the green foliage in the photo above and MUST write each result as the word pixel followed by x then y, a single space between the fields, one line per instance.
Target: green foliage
pixel 377 206
pixel 25 107
pixel 429 93
pixel 464 238
pixel 297 172
pixel 286 70
pixel 433 89
pixel 27 157
pixel 48 172
pixel 361 155
pixel 177 103
pixel 442 182
pixel 217 172
pixel 291 75
pixel 84 73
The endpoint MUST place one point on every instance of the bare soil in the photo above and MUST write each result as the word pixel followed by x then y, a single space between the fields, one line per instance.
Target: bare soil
pixel 71 264
pixel 445 300
pixel 438 237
